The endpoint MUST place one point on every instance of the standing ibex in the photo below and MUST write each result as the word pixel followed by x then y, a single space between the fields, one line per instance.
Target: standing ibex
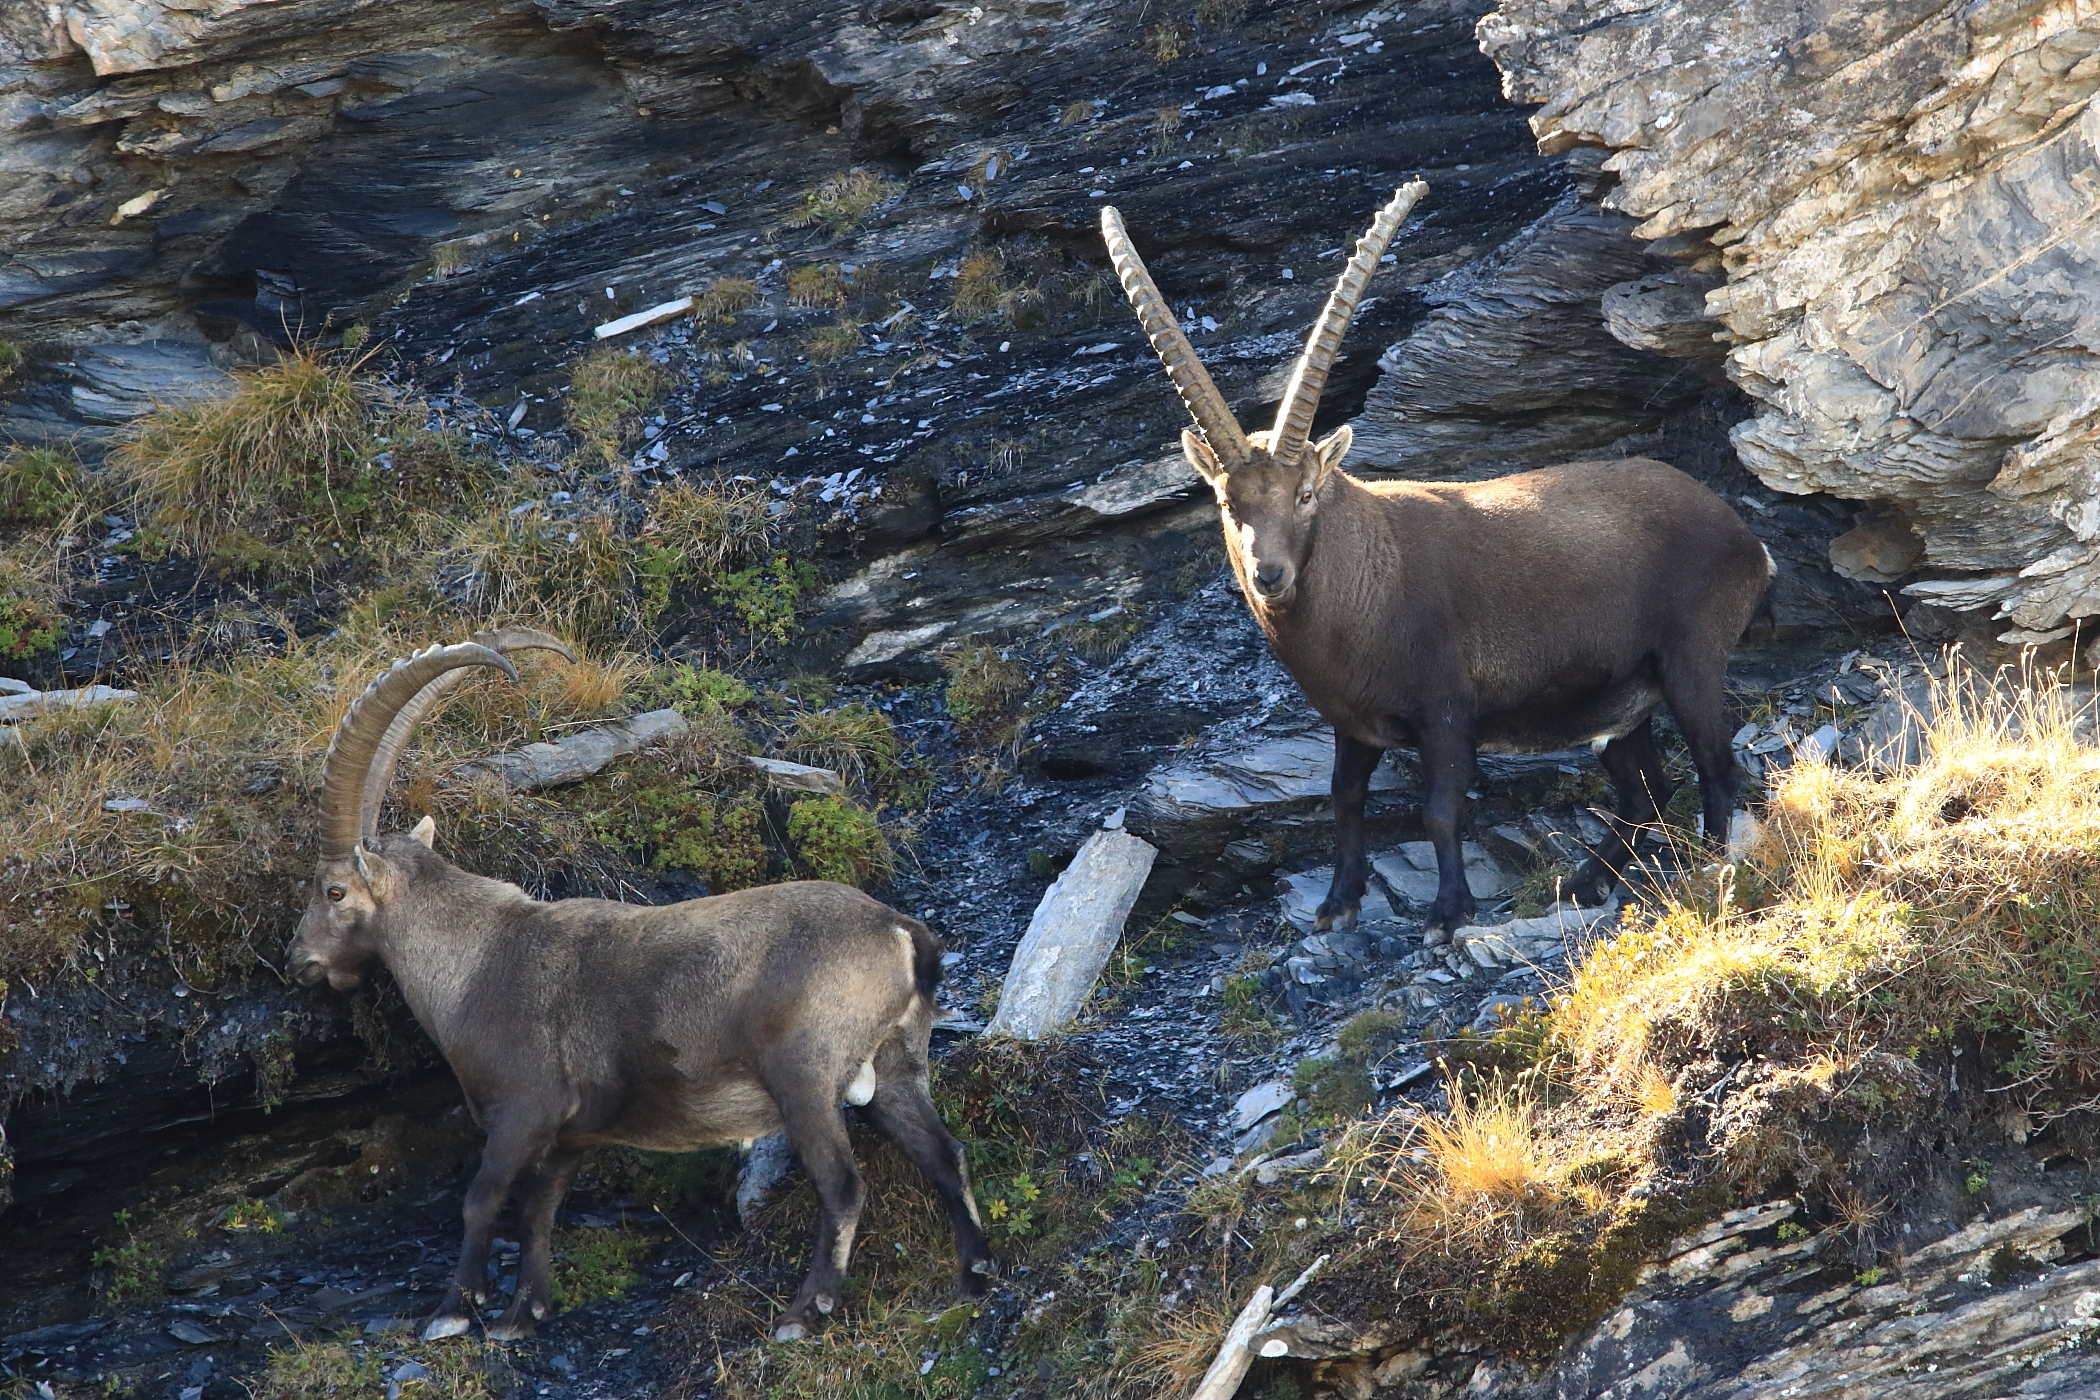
pixel 585 1021
pixel 1527 613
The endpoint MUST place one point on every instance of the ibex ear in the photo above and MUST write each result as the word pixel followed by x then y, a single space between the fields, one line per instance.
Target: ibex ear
pixel 362 863
pixel 426 832
pixel 1200 456
pixel 1330 450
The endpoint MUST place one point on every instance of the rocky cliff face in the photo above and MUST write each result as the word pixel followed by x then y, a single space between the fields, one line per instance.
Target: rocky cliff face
pixel 1902 201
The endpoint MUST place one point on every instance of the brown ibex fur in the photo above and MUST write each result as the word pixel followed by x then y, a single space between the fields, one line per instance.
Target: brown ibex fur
pixel 1527 613
pixel 584 1021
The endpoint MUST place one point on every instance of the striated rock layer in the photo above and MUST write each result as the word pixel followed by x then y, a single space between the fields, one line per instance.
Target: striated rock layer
pixel 1905 201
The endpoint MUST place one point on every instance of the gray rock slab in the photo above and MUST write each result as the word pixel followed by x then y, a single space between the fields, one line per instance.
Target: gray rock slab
pixel 1409 871
pixel 798 777
pixel 1293 768
pixel 1074 930
pixel 1523 941
pixel 119 383
pixel 1303 892
pixel 1259 1102
pixel 576 756
pixel 29 704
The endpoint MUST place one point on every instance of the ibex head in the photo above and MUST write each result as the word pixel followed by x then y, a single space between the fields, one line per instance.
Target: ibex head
pixel 1269 484
pixel 359 876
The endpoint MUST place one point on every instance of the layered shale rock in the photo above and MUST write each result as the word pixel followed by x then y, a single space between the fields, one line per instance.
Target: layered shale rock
pixel 1902 198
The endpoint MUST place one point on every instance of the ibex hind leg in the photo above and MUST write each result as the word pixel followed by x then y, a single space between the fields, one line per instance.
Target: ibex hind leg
pixel 902 1112
pixel 1640 791
pixel 543 1197
pixel 810 1113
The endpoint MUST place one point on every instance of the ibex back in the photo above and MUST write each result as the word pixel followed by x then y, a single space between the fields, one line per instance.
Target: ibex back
pixel 585 1021
pixel 1531 612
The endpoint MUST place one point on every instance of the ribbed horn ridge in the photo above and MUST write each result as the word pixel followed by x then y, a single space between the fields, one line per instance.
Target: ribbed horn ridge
pixel 358 737
pixel 1191 380
pixel 1301 397
pixel 380 774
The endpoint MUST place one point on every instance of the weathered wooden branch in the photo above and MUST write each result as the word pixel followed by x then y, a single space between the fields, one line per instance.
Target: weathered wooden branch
pixel 1235 1354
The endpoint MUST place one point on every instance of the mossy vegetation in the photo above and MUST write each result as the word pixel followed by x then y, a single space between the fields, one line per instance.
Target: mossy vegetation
pixel 609 390
pixel 836 840
pixel 42 486
pixel 591 1266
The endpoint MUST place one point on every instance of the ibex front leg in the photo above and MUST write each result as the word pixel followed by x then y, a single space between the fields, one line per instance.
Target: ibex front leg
pixel 514 1145
pixel 543 1197
pixel 1354 762
pixel 1447 766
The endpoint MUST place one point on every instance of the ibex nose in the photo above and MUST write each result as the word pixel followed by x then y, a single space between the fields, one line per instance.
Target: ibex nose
pixel 1268 576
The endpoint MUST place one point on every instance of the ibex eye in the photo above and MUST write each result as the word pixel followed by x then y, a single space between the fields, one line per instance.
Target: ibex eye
pixel 1305 498
pixel 335 894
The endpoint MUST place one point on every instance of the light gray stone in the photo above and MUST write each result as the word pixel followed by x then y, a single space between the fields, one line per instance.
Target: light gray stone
pixel 1410 871
pixel 576 756
pixel 1522 941
pixel 1294 768
pixel 1258 1103
pixel 798 777
pixel 28 704
pixel 1068 941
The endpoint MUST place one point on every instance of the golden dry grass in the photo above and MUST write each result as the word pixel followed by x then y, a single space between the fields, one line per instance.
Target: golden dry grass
pixel 226 759
pixel 288 449
pixel 609 389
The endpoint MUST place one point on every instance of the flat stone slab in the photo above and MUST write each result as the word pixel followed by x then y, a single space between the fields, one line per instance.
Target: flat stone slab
pixel 1074 930
pixel 1410 871
pixel 1294 768
pixel 27 704
pixel 1261 1101
pixel 1303 893
pixel 1523 941
pixel 784 776
pixel 576 756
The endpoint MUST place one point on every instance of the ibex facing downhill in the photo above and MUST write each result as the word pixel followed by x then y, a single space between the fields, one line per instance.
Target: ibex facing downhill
pixel 1526 613
pixel 586 1021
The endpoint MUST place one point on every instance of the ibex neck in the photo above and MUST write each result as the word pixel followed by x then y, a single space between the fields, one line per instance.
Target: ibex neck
pixel 441 933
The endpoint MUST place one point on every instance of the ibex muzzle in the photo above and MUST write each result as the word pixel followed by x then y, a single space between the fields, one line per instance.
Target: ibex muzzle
pixel 1533 612
pixel 584 1021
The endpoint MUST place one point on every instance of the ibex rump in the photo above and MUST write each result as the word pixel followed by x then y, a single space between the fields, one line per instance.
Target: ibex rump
pixel 586 1021
pixel 1530 612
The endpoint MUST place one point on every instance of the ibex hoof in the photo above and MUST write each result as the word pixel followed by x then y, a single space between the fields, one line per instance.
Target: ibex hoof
pixel 512 1330
pixel 790 1332
pixel 445 1326
pixel 1336 916
pixel 825 1303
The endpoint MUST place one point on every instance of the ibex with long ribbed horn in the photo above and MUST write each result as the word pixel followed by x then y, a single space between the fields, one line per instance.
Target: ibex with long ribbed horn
pixel 586 1021
pixel 1526 613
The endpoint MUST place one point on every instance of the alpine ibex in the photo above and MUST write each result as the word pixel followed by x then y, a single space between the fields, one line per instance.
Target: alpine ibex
pixel 585 1021
pixel 1526 613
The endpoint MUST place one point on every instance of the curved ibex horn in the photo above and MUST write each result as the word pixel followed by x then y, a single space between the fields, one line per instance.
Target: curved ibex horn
pixel 380 775
pixel 1301 397
pixel 1191 380
pixel 364 726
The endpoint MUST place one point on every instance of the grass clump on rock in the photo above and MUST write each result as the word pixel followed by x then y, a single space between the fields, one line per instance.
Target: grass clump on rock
pixel 42 486
pixel 284 463
pixel 840 203
pixel 609 390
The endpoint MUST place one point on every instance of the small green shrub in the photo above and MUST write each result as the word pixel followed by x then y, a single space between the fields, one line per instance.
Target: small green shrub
pixel 766 596
pixel 257 1217
pixel 40 485
pixel 836 840
pixel 590 1265
pixel 702 690
pixel 841 202
pixel 983 684
pixel 27 627
pixel 135 1266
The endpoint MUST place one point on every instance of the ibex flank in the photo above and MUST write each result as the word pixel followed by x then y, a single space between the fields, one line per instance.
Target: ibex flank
pixel 586 1021
pixel 1528 613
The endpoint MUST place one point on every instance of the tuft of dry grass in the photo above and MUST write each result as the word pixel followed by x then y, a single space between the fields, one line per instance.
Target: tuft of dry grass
pixel 816 284
pixel 1957 896
pixel 609 390
pixel 828 344
pixel 984 686
pixel 841 202
pixel 44 486
pixel 288 452
pixel 856 741
pixel 725 299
